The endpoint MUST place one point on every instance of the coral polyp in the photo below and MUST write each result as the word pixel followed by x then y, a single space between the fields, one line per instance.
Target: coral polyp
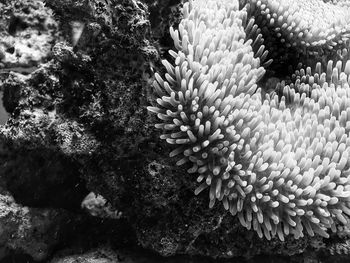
pixel 280 161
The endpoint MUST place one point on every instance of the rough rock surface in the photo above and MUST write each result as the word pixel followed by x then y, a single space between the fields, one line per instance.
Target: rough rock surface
pixel 79 123
pixel 99 256
pixel 27 33
pixel 31 231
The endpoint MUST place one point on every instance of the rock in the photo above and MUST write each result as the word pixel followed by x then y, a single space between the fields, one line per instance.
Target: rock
pixel 103 255
pixel 96 205
pixel 27 33
pixel 30 231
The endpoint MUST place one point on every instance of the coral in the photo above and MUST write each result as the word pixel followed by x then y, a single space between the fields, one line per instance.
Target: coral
pixel 262 156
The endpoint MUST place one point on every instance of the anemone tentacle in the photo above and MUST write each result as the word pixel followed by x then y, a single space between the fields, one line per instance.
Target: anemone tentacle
pixel 279 162
pixel 305 30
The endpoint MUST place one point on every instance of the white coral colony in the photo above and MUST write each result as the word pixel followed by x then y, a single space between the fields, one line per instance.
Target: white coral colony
pixel 279 162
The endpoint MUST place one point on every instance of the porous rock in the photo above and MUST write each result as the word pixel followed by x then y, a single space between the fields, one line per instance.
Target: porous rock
pixel 27 33
pixel 30 231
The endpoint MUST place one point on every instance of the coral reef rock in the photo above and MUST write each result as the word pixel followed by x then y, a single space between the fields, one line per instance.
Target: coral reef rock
pixel 30 231
pixel 27 33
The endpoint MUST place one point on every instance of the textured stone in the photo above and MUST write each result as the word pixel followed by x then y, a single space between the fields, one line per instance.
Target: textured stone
pixel 27 33
pixel 31 231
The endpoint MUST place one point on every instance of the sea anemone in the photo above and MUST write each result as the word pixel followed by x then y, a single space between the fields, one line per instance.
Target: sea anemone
pixel 279 162
pixel 303 30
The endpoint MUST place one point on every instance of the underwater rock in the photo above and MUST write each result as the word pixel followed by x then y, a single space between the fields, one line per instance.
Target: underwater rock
pixel 100 255
pixel 31 231
pixel 27 33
